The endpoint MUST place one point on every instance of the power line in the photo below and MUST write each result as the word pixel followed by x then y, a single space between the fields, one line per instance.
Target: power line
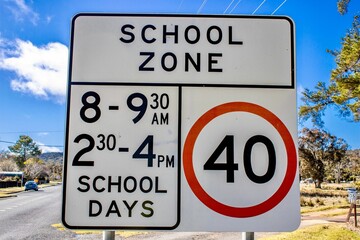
pixel 229 6
pixel 202 6
pixel 258 7
pixel 181 3
pixel 235 6
pixel 278 7
pixel 40 145
pixel 31 132
pixel 7 142
pixel 45 145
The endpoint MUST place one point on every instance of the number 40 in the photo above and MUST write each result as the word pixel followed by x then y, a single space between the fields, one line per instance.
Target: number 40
pixel 230 166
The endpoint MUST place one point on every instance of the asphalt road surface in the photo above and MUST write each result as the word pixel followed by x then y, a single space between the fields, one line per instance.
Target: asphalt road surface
pixel 31 215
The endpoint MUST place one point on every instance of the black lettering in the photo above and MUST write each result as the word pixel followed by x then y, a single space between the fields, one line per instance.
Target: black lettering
pixel 225 147
pixel 170 161
pixel 147 60
pixel 164 118
pixel 196 64
pixel 113 209
pixel 271 158
pixel 155 120
pixel 118 183
pixel 143 35
pixel 150 184
pixel 161 159
pixel 93 213
pixel 213 61
pixel 174 33
pixel 95 186
pixel 231 41
pixel 186 34
pixel 157 190
pixel 208 34
pixel 128 33
pixel 87 186
pixel 126 187
pixel 163 60
pixel 146 207
pixel 130 207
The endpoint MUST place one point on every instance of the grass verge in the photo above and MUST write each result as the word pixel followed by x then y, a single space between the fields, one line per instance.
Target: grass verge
pixel 124 234
pixel 318 232
pixel 323 208
pixel 11 192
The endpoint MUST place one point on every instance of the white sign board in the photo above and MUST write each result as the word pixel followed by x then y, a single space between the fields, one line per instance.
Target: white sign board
pixel 181 122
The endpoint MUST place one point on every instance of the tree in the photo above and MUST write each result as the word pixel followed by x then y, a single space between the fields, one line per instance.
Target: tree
pixel 318 149
pixel 34 168
pixel 343 92
pixel 55 170
pixel 353 167
pixel 8 165
pixel 24 148
pixel 342 6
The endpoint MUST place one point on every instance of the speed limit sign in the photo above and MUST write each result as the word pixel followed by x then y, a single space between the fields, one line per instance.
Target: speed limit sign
pixel 240 160
pixel 181 122
pixel 227 145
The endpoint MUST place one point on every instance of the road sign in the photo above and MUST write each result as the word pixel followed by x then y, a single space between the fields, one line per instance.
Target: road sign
pixel 229 166
pixel 181 122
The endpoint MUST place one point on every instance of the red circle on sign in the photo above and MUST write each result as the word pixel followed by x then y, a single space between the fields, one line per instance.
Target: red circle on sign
pixel 203 196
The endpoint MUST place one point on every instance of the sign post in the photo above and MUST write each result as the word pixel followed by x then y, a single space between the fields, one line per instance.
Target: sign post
pixel 247 236
pixel 108 235
pixel 176 118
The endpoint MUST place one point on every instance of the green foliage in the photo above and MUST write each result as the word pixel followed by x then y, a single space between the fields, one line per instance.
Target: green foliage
pixel 318 149
pixel 343 93
pixel 343 6
pixel 24 148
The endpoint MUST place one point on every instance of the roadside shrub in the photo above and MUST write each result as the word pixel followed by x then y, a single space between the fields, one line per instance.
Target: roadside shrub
pixel 310 203
pixel 302 202
pixel 306 202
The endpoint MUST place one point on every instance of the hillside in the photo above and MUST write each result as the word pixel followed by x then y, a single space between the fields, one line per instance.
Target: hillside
pixel 52 156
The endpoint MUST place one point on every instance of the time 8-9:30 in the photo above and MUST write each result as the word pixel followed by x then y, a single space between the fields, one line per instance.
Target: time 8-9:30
pixel 136 102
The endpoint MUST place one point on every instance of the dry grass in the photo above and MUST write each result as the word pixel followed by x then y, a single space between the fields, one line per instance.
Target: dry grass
pixel 330 196
pixel 124 234
pixel 319 232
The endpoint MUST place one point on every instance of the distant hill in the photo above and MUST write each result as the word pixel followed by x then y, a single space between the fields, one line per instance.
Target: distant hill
pixel 52 156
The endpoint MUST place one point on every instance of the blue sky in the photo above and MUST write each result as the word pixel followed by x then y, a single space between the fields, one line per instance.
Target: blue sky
pixel 34 43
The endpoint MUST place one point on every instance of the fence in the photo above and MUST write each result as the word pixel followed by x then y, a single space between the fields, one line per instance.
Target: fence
pixel 10 184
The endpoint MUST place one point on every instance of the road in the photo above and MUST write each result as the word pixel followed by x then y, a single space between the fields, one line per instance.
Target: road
pixel 31 215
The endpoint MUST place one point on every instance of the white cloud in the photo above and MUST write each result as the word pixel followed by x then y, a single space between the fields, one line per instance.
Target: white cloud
pixel 22 11
pixel 43 134
pixel 41 71
pixel 46 149
pixel 48 19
